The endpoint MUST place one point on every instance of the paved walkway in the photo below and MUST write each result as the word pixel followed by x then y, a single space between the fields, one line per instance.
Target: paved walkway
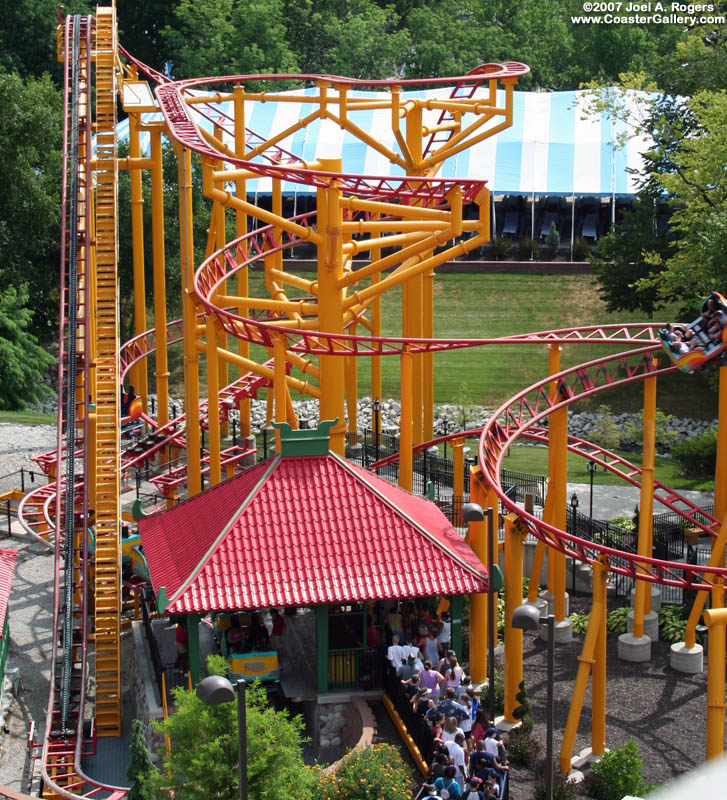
pixel 620 501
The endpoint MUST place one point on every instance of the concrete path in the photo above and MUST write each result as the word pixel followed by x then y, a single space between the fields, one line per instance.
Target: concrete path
pixel 620 501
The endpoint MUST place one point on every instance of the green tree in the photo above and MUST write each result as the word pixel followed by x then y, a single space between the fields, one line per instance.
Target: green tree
pixel 203 757
pixel 552 240
pixel 28 34
pixel 228 37
pixel 698 187
pixel 605 432
pixel 627 254
pixel 357 38
pixel 30 174
pixel 22 359
pixel 141 767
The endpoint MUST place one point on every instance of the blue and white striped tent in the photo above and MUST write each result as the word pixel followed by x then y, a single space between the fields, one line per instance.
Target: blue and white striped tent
pixel 552 148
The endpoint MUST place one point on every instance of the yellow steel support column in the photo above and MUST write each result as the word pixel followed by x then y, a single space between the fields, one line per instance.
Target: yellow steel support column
pixel 598 683
pixel 515 534
pixel 160 285
pixel 477 539
pixel 642 602
pixel 558 485
pixel 376 330
pixel 716 621
pixel 243 347
pixel 223 377
pixel 590 646
pixel 411 299
pixel 428 358
pixel 330 298
pixel 405 422
pixel 457 478
pixel 189 319
pixel 720 476
pixel 352 393
pixel 137 237
pixel 716 558
pixel 213 400
pixel 280 387
pixel 539 557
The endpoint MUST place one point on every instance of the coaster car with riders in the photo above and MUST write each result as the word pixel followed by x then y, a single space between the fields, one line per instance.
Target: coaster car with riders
pixel 693 346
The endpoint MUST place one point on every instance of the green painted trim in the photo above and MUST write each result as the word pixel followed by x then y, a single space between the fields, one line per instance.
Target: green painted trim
pixel 307 441
pixel 193 574
pixel 162 600
pixel 193 647
pixel 345 464
pixel 322 649
pixel 455 613
pixel 137 512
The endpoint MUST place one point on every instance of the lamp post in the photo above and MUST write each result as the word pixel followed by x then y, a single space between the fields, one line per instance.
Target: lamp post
pixel 214 690
pixel 592 467
pixel 473 512
pixel 573 508
pixel 527 617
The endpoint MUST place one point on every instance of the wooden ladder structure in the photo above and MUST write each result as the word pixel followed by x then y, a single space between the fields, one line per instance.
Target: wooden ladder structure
pixel 105 492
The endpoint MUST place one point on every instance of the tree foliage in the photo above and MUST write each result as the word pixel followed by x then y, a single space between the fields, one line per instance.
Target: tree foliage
pixel 30 176
pixel 141 767
pixel 203 758
pixel 22 359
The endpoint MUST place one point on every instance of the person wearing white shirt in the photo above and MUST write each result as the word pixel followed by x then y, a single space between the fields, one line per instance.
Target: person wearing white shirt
pixel 395 654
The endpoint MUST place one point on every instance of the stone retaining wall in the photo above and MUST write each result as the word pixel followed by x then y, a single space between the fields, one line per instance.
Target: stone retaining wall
pixel 359 729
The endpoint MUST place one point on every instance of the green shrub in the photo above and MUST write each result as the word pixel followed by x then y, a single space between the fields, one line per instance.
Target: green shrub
pixel 616 621
pixel 552 240
pixel 500 248
pixel 521 711
pixel 663 433
pixel 522 747
pixel 579 622
pixel 367 773
pixel 527 247
pixel 581 249
pixel 562 790
pixel 619 773
pixel 672 623
pixel 499 691
pixel 697 457
pixel 625 523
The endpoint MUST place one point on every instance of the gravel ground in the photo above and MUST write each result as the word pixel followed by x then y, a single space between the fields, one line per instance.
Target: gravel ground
pixel 664 711
pixel 31 613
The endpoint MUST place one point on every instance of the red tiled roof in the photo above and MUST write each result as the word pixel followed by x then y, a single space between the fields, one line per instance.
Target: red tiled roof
pixel 7 570
pixel 302 531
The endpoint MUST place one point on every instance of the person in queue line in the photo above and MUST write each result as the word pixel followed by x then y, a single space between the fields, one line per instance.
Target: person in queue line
pixel 449 707
pixel 457 753
pixel 432 680
pixel 451 729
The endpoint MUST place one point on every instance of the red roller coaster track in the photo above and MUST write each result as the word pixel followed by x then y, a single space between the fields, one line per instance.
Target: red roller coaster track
pixel 521 416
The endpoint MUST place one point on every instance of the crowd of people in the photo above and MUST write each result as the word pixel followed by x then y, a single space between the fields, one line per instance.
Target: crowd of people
pixel 467 759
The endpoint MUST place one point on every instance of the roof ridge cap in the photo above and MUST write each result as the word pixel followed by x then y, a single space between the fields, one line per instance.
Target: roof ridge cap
pixel 348 466
pixel 220 536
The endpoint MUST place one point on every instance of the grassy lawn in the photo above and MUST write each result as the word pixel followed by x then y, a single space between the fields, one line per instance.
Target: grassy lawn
pixel 534 460
pixel 27 418
pixel 495 305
